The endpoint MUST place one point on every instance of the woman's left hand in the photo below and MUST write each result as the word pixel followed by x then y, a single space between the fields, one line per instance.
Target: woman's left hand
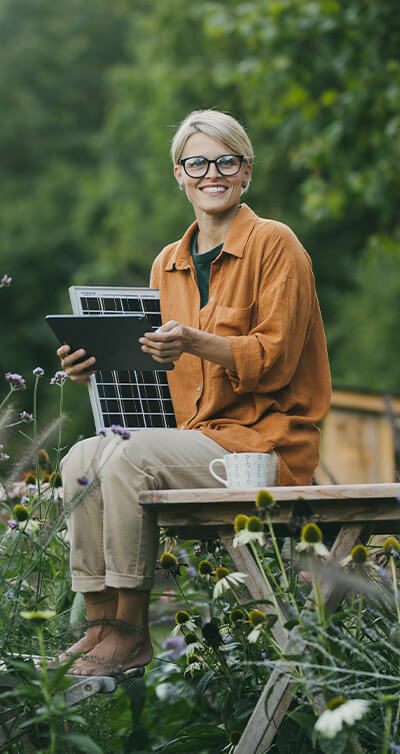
pixel 167 343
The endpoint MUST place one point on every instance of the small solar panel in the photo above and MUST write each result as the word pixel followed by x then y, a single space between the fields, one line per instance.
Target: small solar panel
pixel 132 399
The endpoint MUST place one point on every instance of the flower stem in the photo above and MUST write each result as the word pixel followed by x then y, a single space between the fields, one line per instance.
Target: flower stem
pixel 396 594
pixel 260 565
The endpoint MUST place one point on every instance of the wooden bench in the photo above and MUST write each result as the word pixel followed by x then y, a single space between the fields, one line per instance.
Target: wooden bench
pixel 353 512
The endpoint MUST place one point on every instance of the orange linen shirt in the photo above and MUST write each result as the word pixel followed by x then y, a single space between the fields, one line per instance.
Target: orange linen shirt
pixel 262 297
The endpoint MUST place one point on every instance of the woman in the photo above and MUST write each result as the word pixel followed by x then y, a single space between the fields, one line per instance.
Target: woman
pixel 243 326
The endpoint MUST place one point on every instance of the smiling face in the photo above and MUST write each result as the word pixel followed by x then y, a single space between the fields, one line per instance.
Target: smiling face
pixel 213 193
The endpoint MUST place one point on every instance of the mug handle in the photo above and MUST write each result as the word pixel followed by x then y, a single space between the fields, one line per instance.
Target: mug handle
pixel 220 479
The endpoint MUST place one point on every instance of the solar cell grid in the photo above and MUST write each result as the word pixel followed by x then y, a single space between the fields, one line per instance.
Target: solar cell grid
pixel 132 399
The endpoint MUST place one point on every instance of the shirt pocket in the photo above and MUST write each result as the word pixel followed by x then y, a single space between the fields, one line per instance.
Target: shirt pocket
pixel 233 321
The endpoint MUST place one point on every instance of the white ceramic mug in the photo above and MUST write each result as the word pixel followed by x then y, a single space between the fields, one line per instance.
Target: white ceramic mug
pixel 243 469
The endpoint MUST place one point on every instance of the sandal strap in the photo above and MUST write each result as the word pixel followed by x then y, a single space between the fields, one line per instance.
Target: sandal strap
pixel 116 623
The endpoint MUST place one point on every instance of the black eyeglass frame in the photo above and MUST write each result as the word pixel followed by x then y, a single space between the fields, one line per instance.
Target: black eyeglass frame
pixel 209 162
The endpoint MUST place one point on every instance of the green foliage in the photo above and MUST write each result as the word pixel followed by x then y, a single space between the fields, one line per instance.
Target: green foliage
pixel 91 95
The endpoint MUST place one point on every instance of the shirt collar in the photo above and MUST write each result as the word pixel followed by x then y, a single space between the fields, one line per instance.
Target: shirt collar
pixel 234 244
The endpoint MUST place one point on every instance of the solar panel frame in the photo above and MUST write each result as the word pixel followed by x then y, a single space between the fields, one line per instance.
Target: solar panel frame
pixel 145 394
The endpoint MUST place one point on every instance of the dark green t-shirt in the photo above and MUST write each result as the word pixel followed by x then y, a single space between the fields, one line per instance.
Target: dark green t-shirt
pixel 202 262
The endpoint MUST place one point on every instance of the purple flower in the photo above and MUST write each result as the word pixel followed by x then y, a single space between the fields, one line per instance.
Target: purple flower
pixel 395 748
pixel 5 281
pixel 102 432
pixel 83 481
pixel 26 417
pixel 121 431
pixel 38 372
pixel 16 381
pixel 197 549
pixel 4 457
pixel 59 378
pixel 175 645
pixel 12 524
pixel 24 500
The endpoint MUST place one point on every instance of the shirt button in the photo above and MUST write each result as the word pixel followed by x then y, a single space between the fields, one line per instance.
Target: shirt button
pixel 211 298
pixel 199 388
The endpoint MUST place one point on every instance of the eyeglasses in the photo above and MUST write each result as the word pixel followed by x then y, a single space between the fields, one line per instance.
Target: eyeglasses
pixel 197 167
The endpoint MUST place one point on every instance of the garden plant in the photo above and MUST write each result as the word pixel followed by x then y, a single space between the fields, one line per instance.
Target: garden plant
pixel 215 647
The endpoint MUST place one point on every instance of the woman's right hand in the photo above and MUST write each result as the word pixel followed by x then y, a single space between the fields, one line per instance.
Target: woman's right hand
pixel 76 372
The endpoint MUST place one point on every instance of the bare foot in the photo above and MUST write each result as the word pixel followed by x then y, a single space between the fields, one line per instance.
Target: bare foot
pixel 84 645
pixel 119 651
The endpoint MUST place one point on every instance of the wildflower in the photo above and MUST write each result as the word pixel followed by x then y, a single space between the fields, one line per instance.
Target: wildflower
pixel 311 541
pixel 20 512
pixel 16 381
pixel 240 522
pixel 391 547
pixel 5 281
pixel 55 479
pixel 205 568
pixel 256 617
pixel 169 594
pixel 175 645
pixel 37 616
pixel 226 581
pixel 252 533
pixel 358 558
pixel 234 737
pixel 12 524
pixel 38 372
pixel 236 615
pixel 338 712
pixel 190 638
pixel 182 617
pixel 264 499
pixel 193 664
pixel 4 457
pixel 116 429
pixel 83 481
pixel 168 561
pixel 43 457
pixel 395 748
pixel 197 549
pixel 102 432
pixel 25 416
pixel 59 378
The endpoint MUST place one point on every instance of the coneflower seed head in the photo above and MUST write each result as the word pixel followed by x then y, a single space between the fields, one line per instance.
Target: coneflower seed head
pixel 221 572
pixel 240 522
pixel 256 617
pixel 311 533
pixel 359 555
pixel 264 499
pixel 255 524
pixel 168 561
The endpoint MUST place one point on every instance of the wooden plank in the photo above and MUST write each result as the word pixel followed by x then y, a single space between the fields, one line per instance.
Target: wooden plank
pixel 223 514
pixel 256 585
pixel 362 402
pixel 276 696
pixel 309 492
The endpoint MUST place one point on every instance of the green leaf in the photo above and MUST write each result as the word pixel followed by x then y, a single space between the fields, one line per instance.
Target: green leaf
pixel 84 743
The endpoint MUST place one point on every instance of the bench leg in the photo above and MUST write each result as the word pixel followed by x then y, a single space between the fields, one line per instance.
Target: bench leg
pixel 267 717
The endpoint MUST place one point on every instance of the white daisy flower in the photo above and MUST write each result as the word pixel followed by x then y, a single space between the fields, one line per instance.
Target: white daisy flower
pixel 254 635
pixel 245 536
pixel 189 625
pixel 311 541
pixel 332 720
pixel 227 582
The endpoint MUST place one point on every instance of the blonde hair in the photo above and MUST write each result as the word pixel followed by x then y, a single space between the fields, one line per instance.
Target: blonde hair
pixel 219 126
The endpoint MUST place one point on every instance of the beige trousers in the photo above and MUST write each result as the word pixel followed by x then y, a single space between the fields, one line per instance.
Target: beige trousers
pixel 113 541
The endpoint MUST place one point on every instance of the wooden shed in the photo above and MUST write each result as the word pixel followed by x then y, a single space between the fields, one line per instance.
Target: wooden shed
pixel 360 439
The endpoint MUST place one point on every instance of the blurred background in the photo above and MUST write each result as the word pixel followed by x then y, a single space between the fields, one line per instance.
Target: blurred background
pixel 91 94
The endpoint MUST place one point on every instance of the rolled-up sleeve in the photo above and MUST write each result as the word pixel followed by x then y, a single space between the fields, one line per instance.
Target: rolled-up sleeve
pixel 267 357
